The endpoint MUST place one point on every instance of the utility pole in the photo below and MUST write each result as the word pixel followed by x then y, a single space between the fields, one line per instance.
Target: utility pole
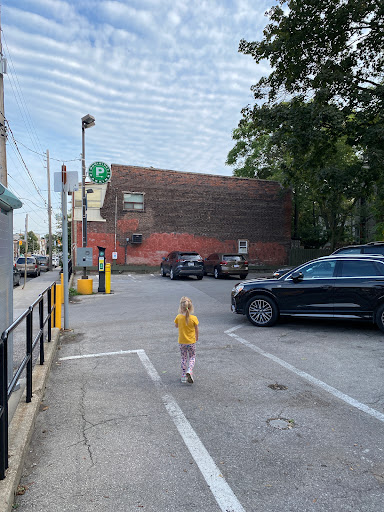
pixel 3 158
pixel 64 196
pixel 49 214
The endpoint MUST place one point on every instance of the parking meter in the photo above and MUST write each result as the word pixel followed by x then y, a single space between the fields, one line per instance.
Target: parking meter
pixel 101 269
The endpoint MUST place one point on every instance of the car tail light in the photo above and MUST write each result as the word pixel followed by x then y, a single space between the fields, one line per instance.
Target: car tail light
pixel 245 262
pixel 177 261
pixel 222 263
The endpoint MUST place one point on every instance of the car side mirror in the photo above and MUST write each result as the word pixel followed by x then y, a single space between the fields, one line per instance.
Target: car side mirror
pixel 164 259
pixel 297 276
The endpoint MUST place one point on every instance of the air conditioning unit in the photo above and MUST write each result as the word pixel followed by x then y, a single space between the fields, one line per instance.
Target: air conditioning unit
pixel 137 238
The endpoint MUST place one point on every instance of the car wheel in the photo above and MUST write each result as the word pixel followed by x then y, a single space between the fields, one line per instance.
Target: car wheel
pixel 162 273
pixel 262 311
pixel 380 317
pixel 171 274
pixel 216 273
pixel 199 278
pixel 243 276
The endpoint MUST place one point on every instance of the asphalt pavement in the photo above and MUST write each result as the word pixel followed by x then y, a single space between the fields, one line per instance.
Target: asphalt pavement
pixel 289 418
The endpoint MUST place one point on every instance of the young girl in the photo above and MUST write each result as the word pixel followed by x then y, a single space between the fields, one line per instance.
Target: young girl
pixel 187 323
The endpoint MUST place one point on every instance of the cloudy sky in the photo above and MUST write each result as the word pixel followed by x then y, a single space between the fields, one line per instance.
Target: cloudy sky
pixel 163 78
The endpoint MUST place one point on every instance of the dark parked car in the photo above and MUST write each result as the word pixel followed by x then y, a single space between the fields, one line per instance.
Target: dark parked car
pixel 43 262
pixel 16 276
pixel 225 264
pixel 335 286
pixel 370 248
pixel 33 267
pixel 182 263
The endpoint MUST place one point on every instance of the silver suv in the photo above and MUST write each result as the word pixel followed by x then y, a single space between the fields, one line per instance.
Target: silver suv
pixel 33 267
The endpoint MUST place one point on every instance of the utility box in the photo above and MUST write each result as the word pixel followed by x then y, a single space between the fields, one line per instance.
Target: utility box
pixel 8 203
pixel 84 256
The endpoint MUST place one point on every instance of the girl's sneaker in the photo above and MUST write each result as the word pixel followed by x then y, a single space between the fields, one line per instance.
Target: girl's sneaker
pixel 189 377
pixel 183 379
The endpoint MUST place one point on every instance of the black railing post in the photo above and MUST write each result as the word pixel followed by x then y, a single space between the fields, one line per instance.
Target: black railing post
pixel 3 419
pixel 41 317
pixel 49 313
pixel 29 355
pixel 54 301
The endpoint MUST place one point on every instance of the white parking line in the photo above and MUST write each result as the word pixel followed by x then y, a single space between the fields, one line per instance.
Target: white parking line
pixel 333 391
pixel 223 494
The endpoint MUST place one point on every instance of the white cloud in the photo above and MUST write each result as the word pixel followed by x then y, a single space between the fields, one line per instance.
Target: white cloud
pixel 164 80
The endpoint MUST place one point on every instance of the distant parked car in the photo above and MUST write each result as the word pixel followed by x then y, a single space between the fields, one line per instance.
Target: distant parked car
pixel 182 263
pixel 43 262
pixel 226 264
pixel 33 267
pixel 369 248
pixel 16 276
pixel 349 286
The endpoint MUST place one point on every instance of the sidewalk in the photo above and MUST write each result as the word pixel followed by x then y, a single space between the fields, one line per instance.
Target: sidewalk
pixel 22 416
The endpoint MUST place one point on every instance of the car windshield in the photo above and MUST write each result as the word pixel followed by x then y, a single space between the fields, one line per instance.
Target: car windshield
pixel 349 250
pixel 22 261
pixel 233 257
pixel 374 249
pixel 190 257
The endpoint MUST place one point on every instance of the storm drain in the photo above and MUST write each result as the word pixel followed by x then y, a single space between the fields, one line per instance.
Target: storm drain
pixel 281 423
pixel 277 387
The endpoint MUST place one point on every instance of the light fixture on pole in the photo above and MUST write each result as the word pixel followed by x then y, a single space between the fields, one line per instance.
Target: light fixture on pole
pixel 86 122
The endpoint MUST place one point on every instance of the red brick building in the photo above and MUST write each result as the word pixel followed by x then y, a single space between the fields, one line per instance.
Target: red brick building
pixel 160 211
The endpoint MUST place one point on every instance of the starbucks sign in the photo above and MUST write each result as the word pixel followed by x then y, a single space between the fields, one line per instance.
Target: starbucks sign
pixel 99 172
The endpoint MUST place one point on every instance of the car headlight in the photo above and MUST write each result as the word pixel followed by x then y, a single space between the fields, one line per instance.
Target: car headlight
pixel 237 289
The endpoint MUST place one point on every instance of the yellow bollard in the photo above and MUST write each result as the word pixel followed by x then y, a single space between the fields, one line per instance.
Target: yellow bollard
pixel 85 286
pixel 62 287
pixel 107 278
pixel 58 303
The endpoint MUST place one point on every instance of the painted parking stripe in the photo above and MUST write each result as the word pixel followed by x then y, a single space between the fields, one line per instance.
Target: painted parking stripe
pixel 223 494
pixel 333 391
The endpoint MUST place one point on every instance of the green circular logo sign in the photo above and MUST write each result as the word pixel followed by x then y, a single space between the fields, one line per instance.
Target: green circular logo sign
pixel 99 172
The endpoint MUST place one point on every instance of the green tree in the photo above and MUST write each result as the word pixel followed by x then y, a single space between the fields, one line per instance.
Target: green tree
pixel 328 139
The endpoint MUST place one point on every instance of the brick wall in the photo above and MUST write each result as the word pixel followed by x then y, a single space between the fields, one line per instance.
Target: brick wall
pixel 191 211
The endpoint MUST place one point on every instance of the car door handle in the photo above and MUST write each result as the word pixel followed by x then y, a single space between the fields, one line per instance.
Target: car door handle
pixel 327 287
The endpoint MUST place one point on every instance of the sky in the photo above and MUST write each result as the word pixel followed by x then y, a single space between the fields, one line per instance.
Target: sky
pixel 163 79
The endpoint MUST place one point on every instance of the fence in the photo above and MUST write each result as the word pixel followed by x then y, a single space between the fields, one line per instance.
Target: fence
pixel 299 256
pixel 7 389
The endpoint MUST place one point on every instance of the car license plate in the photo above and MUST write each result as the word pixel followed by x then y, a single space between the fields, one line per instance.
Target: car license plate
pixel 236 266
pixel 191 264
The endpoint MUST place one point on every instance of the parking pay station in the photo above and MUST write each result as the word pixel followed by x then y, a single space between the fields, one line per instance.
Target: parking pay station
pixel 101 269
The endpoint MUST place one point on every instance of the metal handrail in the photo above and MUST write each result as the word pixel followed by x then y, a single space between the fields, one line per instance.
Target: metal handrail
pixel 7 389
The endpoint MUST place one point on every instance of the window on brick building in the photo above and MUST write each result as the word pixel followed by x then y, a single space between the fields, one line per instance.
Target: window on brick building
pixel 133 201
pixel 243 246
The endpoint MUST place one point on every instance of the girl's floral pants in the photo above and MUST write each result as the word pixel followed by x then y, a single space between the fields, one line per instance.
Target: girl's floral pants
pixel 187 351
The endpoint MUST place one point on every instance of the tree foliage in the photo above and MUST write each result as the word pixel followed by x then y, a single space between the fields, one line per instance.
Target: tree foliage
pixel 317 124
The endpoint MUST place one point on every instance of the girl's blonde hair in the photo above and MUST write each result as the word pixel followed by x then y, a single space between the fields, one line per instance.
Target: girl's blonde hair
pixel 185 307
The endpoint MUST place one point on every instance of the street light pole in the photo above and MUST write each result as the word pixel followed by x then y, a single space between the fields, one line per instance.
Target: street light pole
pixel 86 122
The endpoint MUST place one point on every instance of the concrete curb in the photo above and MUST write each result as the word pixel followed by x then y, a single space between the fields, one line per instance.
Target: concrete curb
pixel 23 424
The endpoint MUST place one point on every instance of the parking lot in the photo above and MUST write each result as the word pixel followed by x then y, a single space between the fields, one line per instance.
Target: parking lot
pixel 284 418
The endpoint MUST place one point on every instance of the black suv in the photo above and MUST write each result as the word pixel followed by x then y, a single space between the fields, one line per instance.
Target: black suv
pixel 182 263
pixel 336 286
pixel 370 248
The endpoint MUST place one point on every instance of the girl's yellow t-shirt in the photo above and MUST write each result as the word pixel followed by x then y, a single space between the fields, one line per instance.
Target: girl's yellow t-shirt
pixel 186 330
